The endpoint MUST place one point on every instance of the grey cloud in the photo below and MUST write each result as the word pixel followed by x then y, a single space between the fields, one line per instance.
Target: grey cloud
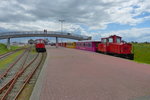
pixel 14 12
pixel 95 14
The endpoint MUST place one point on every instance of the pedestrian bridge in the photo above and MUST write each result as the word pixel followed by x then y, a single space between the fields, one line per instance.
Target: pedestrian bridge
pixel 19 34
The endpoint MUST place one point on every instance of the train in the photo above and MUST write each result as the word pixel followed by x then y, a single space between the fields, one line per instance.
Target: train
pixel 40 45
pixel 112 45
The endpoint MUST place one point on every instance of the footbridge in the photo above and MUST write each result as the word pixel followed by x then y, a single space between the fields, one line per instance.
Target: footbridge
pixel 45 33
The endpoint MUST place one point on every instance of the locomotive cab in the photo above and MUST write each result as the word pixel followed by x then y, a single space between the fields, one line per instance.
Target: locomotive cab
pixel 40 45
pixel 114 39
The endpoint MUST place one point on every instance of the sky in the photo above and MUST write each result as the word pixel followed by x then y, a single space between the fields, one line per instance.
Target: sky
pixel 97 18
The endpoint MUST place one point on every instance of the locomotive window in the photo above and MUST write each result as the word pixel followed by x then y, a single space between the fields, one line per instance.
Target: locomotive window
pixel 110 40
pixel 39 41
pixel 104 40
pixel 118 40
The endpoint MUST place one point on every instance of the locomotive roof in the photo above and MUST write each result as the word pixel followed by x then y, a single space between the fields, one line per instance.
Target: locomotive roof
pixel 111 36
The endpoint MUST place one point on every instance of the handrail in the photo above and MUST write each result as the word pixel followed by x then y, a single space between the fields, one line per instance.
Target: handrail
pixel 47 33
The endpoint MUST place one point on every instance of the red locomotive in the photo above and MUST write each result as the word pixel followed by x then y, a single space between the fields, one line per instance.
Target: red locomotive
pixel 40 45
pixel 113 45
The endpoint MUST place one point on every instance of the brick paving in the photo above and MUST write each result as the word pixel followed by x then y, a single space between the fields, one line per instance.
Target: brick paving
pixel 70 74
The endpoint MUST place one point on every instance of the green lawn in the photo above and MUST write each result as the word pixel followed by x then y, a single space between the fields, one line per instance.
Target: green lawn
pixel 8 60
pixel 4 62
pixel 141 53
pixel 3 48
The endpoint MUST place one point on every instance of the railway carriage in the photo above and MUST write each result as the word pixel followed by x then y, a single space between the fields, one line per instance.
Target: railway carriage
pixel 63 44
pixel 60 44
pixel 88 45
pixel 71 44
pixel 40 45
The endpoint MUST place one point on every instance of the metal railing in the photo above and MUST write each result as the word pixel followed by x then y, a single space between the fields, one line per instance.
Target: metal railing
pixel 42 32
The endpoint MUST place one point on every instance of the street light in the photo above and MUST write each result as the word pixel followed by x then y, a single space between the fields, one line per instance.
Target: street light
pixel 61 21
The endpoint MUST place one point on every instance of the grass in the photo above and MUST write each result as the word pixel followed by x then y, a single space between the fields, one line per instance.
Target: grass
pixel 33 50
pixel 8 60
pixel 26 93
pixel 141 53
pixel 3 48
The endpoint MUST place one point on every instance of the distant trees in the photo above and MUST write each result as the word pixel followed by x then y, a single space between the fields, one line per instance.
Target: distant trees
pixel 134 42
pixel 146 42
pixel 140 42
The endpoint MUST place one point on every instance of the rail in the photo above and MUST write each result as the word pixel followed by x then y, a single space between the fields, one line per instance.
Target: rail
pixel 9 85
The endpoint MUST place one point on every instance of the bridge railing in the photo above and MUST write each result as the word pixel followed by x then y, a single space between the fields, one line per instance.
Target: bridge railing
pixel 42 32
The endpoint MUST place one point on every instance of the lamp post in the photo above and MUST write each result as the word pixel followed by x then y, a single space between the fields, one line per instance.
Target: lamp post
pixel 61 21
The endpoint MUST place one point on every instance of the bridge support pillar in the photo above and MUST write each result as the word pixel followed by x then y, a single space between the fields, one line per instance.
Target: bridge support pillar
pixel 56 42
pixel 8 43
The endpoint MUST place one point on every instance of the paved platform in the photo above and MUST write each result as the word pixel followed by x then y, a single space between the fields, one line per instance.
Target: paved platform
pixel 70 74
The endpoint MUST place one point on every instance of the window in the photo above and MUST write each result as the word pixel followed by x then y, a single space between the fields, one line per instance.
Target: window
pixel 39 41
pixel 81 44
pixel 110 40
pixel 118 40
pixel 84 44
pixel 104 40
pixel 89 44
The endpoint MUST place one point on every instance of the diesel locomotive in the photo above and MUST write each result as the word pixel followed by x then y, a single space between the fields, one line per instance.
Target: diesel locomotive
pixel 40 45
pixel 114 45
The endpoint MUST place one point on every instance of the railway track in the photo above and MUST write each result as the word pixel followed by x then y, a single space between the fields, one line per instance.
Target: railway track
pixel 17 78
pixel 13 68
pixel 3 75
pixel 9 53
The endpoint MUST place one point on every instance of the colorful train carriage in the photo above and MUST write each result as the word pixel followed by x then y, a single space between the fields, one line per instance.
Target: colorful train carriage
pixel 71 44
pixel 62 44
pixel 88 45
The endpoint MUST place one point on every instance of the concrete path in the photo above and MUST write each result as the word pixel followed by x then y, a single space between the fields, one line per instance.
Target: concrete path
pixel 70 74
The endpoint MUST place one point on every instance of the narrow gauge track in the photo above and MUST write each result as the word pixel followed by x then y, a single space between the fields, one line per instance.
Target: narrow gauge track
pixel 12 69
pixel 3 75
pixel 9 53
pixel 13 88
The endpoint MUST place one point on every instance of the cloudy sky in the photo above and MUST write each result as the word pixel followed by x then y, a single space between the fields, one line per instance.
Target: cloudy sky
pixel 96 18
